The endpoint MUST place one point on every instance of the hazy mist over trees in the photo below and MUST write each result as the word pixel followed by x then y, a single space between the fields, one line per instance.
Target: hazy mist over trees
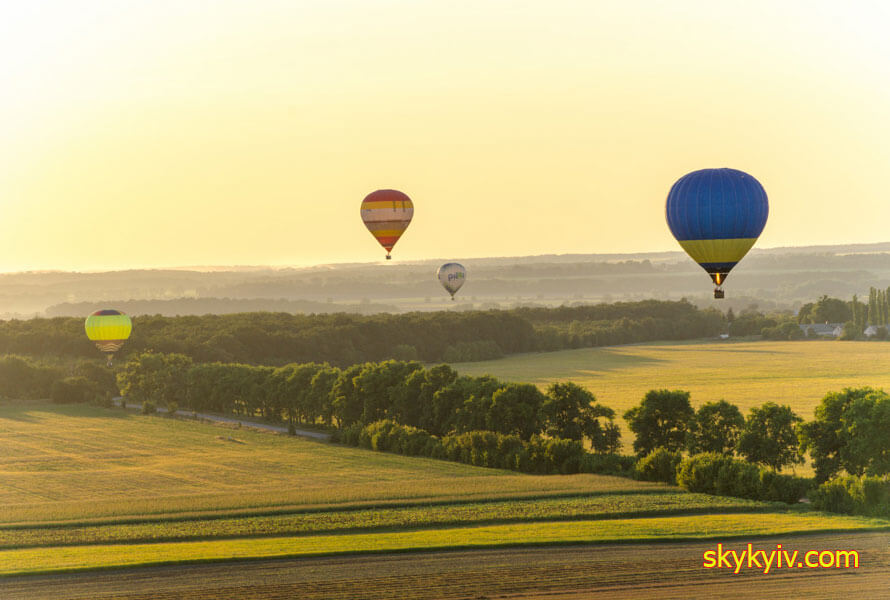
pixel 782 278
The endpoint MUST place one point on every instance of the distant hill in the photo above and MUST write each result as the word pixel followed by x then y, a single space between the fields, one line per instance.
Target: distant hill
pixel 770 278
pixel 215 306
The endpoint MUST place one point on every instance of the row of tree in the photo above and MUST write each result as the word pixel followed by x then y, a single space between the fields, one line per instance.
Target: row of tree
pixel 848 432
pixel 847 435
pixel 436 400
pixel 345 339
pixel 861 314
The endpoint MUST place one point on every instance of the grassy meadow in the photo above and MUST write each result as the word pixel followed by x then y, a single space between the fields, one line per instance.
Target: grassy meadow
pixel 745 373
pixel 87 488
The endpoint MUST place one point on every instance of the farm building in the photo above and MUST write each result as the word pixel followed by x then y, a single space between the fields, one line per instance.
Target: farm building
pixel 833 330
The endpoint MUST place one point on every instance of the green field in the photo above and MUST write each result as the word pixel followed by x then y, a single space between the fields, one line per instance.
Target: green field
pixel 88 488
pixel 746 374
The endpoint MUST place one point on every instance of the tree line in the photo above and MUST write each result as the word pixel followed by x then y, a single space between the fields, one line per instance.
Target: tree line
pixel 847 435
pixel 402 406
pixel 436 400
pixel 855 315
pixel 344 339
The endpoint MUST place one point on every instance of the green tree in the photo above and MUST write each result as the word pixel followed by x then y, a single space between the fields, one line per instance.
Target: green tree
pixel 715 428
pixel 415 403
pixel 825 436
pixel 859 311
pixel 155 377
pixel 464 404
pixel 769 436
pixel 320 396
pixel 851 331
pixel 376 386
pixel 571 412
pixel 660 421
pixel 831 310
pixel 347 405
pixel 516 409
pixel 866 424
pixel 805 313
pixel 872 311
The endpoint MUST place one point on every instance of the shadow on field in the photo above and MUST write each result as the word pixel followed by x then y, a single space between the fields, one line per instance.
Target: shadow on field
pixel 26 411
pixel 615 360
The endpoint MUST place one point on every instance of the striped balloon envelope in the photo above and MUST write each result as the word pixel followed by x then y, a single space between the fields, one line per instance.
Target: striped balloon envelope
pixel 717 215
pixel 108 329
pixel 386 214
pixel 452 276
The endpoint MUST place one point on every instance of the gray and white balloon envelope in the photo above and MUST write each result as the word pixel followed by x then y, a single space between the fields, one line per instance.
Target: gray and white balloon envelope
pixel 452 276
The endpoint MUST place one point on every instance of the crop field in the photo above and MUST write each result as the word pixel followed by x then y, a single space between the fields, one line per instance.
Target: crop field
pixel 70 463
pixel 647 570
pixel 745 373
pixel 86 489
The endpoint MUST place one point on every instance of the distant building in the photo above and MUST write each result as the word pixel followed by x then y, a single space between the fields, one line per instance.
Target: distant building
pixel 872 330
pixel 833 330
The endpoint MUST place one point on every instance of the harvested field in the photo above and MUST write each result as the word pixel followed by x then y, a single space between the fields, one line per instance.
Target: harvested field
pixel 663 571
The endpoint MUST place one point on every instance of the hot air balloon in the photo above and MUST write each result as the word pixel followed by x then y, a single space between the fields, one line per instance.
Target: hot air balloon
pixel 386 214
pixel 452 276
pixel 717 215
pixel 108 329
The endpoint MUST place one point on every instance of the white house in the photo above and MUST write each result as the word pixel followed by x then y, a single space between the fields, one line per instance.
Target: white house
pixel 833 330
pixel 872 330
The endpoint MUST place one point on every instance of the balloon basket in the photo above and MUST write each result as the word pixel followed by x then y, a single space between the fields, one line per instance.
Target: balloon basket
pixel 718 293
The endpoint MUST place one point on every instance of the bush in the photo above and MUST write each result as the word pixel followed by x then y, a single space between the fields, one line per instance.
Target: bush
pixel 659 465
pixel 104 400
pixel 716 474
pixel 72 390
pixel 776 487
pixel 388 436
pixel 349 435
pixel 149 408
pixel 563 456
pixel 472 447
pixel 720 475
pixel 865 495
pixel 609 464
pixel 21 378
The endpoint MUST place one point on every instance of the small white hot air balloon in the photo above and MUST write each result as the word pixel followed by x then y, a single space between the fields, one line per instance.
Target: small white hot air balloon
pixel 452 276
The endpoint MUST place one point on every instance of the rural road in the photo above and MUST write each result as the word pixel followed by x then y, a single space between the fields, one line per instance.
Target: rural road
pixel 315 435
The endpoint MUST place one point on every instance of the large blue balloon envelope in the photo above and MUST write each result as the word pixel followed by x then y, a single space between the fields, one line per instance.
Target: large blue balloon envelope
pixel 717 215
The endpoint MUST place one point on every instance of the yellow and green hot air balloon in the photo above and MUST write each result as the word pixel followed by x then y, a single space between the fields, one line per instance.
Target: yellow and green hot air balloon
pixel 108 329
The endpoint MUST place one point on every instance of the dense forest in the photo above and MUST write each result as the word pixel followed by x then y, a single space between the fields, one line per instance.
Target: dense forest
pixel 345 339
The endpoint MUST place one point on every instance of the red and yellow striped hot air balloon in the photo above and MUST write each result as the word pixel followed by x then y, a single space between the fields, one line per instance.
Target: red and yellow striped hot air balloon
pixel 108 329
pixel 387 213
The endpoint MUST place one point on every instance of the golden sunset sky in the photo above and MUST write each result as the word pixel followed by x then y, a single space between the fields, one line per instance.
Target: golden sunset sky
pixel 150 134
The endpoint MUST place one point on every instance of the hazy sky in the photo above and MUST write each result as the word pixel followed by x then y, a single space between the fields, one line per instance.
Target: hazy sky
pixel 180 133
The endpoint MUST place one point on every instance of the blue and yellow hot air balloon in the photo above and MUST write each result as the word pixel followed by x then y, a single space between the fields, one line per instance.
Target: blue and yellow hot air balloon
pixel 717 215
pixel 108 329
pixel 387 214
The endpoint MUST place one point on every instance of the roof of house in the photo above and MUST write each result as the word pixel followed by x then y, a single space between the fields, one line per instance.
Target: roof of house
pixel 823 328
